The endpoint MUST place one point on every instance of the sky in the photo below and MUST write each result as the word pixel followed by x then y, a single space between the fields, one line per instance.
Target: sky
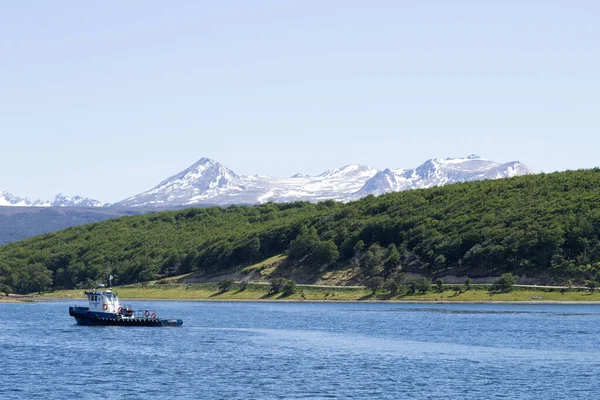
pixel 107 99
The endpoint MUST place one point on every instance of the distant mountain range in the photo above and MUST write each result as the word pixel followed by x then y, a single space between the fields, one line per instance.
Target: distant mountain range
pixel 208 182
pixel 60 200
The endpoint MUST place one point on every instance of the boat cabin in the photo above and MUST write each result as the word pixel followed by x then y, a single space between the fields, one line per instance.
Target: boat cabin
pixel 104 301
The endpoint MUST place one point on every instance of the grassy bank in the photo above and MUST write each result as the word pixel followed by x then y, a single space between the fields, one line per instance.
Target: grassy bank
pixel 255 291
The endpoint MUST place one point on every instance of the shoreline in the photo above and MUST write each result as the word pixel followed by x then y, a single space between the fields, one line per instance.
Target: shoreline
pixel 253 292
pixel 22 300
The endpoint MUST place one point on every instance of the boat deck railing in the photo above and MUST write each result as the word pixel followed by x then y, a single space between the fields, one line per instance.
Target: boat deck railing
pixel 149 314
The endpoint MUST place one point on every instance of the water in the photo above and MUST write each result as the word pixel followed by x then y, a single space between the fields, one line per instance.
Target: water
pixel 305 351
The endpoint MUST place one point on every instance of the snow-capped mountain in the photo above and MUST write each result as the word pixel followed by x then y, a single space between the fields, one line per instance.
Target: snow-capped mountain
pixel 7 199
pixel 438 172
pixel 206 179
pixel 208 182
pixel 61 200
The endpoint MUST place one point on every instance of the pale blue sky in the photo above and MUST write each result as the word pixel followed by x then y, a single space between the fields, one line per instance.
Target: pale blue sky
pixel 106 99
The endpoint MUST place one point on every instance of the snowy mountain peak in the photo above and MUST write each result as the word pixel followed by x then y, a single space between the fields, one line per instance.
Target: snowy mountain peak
pixel 438 172
pixel 61 200
pixel 351 169
pixel 428 167
pixel 203 161
pixel 204 173
pixel 208 182
pixel 204 179
pixel 7 199
pixel 299 175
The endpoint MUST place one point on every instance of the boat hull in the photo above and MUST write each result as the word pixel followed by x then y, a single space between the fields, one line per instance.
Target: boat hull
pixel 84 317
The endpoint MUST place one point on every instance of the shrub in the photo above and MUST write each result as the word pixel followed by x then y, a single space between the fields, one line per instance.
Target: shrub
pixel 419 284
pixel 439 282
pixel 5 289
pixel 591 284
pixel 242 286
pixel 225 284
pixel 289 287
pixel 423 285
pixel 374 283
pixel 277 285
pixel 325 252
pixel 391 286
pixel 468 283
pixel 504 283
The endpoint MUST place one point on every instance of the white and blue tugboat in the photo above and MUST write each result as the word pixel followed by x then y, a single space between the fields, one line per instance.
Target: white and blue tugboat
pixel 104 309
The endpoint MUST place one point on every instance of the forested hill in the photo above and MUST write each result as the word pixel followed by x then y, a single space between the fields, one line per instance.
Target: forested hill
pixel 545 225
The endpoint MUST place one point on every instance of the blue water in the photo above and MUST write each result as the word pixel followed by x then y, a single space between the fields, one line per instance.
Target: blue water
pixel 305 351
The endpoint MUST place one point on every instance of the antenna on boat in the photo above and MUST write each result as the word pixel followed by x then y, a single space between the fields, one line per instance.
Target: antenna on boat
pixel 110 278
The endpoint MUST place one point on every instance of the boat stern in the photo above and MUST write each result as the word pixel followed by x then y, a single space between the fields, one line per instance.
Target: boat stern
pixel 171 322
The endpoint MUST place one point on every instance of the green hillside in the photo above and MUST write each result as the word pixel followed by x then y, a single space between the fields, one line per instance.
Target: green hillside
pixel 545 225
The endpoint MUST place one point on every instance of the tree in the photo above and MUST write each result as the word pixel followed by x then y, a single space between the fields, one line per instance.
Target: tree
pixel 251 250
pixel 189 262
pixel 31 278
pixel 303 245
pixel 324 252
pixel 419 284
pixel 5 289
pixel 468 283
pixel 391 286
pixel 504 283
pixel 439 282
pixel 370 264
pixel 423 284
pixel 358 247
pixel 374 284
pixel 591 284
pixel 225 284
pixel 277 285
pixel 289 287
pixel 392 260
pixel 440 261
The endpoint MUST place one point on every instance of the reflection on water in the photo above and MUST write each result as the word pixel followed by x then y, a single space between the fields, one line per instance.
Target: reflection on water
pixel 308 351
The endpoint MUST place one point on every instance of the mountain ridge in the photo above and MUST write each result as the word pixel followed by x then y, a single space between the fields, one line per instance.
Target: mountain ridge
pixel 209 182
pixel 60 200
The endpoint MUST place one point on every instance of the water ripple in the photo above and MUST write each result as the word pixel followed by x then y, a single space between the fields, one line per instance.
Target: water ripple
pixel 306 351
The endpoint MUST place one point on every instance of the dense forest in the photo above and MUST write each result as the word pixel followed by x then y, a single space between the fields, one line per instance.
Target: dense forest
pixel 545 225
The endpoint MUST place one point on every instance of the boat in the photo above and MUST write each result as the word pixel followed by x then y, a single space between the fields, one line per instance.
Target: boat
pixel 104 309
